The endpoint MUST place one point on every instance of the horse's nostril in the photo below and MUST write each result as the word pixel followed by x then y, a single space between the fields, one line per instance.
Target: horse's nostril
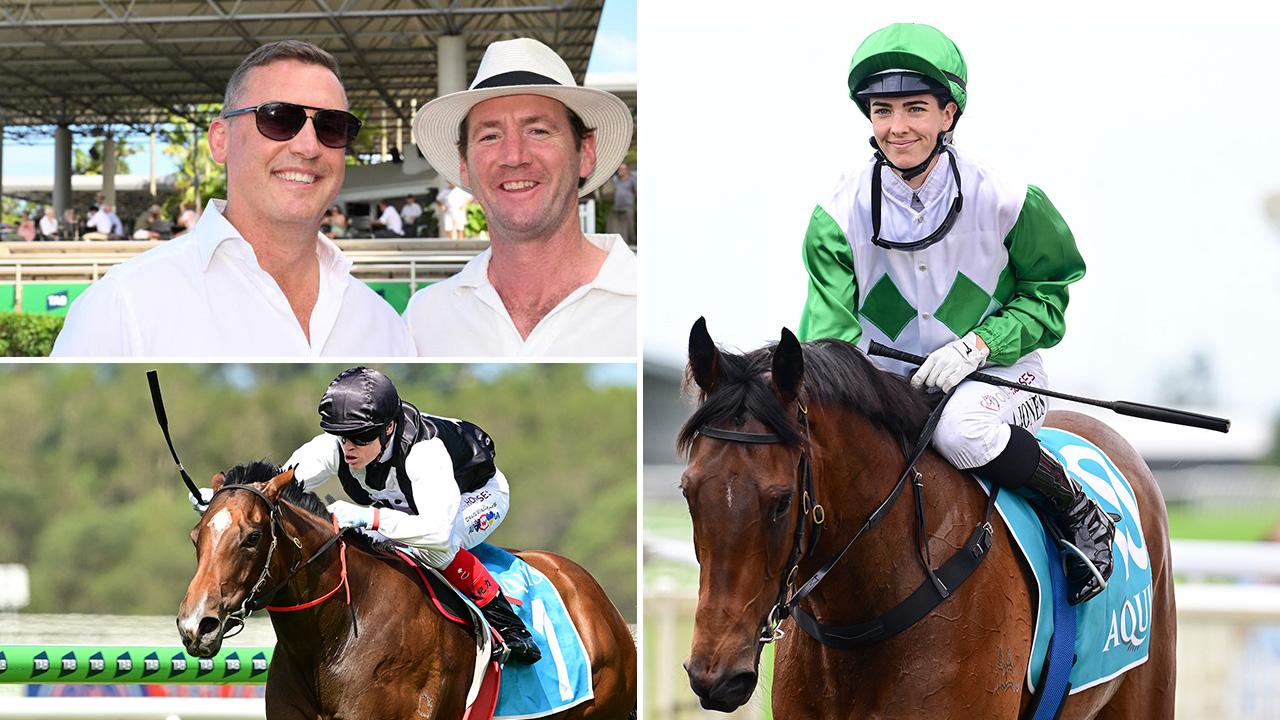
pixel 208 626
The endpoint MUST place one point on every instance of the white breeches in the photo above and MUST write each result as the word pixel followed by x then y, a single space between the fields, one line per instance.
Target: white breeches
pixel 479 514
pixel 974 427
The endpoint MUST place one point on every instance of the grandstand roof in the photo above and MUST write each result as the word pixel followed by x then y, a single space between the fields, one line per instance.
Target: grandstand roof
pixel 94 63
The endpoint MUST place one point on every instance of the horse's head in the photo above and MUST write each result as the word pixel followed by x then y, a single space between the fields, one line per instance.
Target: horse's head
pixel 234 540
pixel 744 494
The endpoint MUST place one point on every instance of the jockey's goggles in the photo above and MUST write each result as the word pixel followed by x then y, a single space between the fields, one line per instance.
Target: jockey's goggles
pixel 363 438
pixel 281 121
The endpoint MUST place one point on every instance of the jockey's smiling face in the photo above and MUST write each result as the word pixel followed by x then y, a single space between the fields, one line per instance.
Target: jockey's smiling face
pixel 358 456
pixel 907 128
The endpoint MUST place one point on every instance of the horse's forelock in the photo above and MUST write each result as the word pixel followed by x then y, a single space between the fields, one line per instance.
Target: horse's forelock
pixel 742 391
pixel 835 372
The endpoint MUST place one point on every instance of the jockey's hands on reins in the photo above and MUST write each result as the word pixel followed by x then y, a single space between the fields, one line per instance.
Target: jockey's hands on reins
pixel 951 363
pixel 350 515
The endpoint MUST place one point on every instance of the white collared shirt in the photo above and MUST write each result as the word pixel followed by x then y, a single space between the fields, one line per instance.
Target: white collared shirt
pixel 390 219
pixel 204 294
pixel 464 316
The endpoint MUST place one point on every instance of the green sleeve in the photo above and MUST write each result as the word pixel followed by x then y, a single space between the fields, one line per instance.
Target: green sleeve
pixel 831 310
pixel 1043 261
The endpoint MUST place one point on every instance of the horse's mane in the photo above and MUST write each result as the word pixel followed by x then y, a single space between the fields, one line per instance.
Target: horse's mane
pixel 835 372
pixel 260 471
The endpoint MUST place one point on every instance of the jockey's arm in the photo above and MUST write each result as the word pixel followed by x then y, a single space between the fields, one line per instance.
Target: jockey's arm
pixel 316 461
pixel 831 308
pixel 1044 260
pixel 435 492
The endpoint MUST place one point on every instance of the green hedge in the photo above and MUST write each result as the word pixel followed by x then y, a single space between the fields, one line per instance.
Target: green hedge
pixel 28 335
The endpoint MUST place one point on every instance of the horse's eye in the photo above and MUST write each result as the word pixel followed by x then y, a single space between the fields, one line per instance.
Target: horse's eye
pixel 781 506
pixel 251 541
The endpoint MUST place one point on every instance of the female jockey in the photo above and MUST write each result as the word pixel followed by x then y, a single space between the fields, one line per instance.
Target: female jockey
pixel 926 249
pixel 426 482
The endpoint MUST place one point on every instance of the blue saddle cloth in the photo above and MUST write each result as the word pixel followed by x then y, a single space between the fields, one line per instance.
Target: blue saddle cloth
pixel 562 678
pixel 1114 628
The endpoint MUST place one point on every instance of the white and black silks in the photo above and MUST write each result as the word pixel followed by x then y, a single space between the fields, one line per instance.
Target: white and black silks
pixel 470 448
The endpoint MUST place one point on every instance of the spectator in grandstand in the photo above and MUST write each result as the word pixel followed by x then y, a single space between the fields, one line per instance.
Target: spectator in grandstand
pixel 49 224
pixel 254 276
pixel 388 224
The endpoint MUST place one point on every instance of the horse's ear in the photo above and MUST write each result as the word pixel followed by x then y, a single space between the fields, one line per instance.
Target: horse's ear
pixel 788 367
pixel 216 482
pixel 278 483
pixel 704 358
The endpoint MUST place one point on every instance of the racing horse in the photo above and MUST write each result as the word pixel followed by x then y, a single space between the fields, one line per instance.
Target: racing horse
pixel 356 636
pixel 766 415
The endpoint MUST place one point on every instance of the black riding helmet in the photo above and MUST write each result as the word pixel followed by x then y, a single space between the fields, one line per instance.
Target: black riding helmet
pixel 358 404
pixel 900 83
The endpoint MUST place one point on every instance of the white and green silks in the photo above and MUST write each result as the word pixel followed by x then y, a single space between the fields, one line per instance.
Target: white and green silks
pixel 1001 272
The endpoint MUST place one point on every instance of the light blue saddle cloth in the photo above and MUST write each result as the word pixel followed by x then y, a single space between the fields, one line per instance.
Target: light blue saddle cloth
pixel 1114 628
pixel 562 678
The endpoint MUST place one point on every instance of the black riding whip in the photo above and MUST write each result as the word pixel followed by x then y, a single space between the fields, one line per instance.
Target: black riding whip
pixel 153 379
pixel 1122 407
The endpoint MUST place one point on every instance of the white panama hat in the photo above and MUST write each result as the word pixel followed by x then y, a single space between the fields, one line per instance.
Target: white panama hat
pixel 524 67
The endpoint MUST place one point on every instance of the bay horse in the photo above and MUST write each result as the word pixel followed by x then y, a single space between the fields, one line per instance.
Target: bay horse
pixel 828 406
pixel 402 658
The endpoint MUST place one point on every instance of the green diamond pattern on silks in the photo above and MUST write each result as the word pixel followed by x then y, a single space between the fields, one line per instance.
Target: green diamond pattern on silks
pixel 964 305
pixel 886 308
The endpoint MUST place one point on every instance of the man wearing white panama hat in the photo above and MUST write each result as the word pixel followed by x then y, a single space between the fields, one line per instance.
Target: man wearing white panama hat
pixel 527 142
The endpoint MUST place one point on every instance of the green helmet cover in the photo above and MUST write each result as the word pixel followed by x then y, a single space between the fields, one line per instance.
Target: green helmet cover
pixel 906 46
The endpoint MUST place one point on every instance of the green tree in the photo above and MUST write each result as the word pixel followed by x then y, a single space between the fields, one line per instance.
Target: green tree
pixel 89 162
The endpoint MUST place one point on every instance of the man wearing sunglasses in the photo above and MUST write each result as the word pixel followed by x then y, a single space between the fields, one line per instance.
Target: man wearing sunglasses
pixel 925 249
pixel 426 482
pixel 527 142
pixel 254 277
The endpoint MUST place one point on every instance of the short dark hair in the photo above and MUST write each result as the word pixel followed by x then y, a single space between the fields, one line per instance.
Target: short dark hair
pixel 580 131
pixel 299 50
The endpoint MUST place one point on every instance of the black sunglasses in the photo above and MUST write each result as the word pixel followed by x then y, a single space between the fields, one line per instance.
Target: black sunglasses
pixel 281 121
pixel 364 438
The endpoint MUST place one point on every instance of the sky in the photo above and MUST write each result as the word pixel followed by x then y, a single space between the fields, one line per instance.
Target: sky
pixel 1152 133
pixel 614 53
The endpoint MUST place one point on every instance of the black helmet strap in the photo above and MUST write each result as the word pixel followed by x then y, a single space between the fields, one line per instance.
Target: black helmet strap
pixel 877 200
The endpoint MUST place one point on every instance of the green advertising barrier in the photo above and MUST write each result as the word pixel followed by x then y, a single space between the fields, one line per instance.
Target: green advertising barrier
pixel 53 298
pixel 122 664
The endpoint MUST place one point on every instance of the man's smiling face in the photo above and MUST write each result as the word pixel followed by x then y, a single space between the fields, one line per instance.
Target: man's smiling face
pixel 522 164
pixel 272 182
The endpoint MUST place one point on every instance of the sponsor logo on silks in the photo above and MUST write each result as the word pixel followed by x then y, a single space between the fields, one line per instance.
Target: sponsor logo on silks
pixel 150 665
pixel 485 521
pixel 474 498
pixel 233 665
pixel 124 665
pixel 204 666
pixel 990 403
pixel 1029 411
pixel 40 663
pixel 259 664
pixel 1027 378
pixel 68 664
pixel 96 664
pixel 1131 623
pixel 177 665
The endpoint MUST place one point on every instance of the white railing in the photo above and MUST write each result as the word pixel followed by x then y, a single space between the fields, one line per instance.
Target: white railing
pixel 134 708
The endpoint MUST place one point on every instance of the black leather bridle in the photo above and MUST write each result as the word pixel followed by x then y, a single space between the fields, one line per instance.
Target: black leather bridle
pixel 255 600
pixel 938 585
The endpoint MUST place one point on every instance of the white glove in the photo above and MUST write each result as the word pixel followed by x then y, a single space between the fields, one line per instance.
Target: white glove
pixel 352 515
pixel 951 363
pixel 206 497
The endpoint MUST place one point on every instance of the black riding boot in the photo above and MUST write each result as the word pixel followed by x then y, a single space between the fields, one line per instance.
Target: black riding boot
pixel 521 649
pixel 1075 516
pixel 1080 520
